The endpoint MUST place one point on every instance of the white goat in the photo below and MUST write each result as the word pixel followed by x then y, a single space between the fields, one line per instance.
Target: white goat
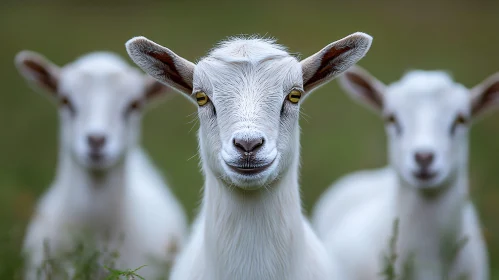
pixel 248 91
pixel 425 186
pixel 105 186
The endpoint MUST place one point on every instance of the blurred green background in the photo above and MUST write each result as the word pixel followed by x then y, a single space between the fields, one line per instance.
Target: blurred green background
pixel 338 135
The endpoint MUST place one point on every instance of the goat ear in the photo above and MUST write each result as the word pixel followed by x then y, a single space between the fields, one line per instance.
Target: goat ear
pixel 155 90
pixel 485 96
pixel 162 64
pixel 363 87
pixel 38 70
pixel 334 59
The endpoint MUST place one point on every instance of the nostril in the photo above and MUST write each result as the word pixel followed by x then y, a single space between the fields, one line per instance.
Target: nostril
pixel 96 141
pixel 248 145
pixel 424 159
pixel 260 142
pixel 257 143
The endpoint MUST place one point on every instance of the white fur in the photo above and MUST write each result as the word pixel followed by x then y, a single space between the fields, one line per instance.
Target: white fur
pixel 250 226
pixel 118 203
pixel 356 215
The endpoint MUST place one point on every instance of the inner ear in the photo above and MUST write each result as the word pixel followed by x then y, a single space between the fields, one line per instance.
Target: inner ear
pixel 363 87
pixel 485 96
pixel 162 64
pixel 155 89
pixel 43 76
pixel 38 70
pixel 370 92
pixel 170 71
pixel 327 65
pixel 334 59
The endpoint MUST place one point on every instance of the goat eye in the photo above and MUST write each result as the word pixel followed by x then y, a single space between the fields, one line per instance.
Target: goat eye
pixel 64 101
pixel 390 119
pixel 202 98
pixel 135 105
pixel 294 96
pixel 460 120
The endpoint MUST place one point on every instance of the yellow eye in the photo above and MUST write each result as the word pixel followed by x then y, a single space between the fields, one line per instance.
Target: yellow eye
pixel 294 96
pixel 201 98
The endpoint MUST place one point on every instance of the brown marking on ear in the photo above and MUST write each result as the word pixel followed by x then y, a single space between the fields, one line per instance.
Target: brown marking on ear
pixel 487 98
pixel 327 65
pixel 170 71
pixel 370 92
pixel 154 89
pixel 45 77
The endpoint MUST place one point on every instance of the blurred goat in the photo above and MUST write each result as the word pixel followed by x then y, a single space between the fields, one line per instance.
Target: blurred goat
pixel 106 191
pixel 427 118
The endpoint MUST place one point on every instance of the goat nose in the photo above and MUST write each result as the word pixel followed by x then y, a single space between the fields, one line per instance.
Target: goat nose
pixel 248 145
pixel 424 159
pixel 96 141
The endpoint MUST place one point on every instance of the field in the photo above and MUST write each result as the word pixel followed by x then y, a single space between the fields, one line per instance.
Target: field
pixel 338 136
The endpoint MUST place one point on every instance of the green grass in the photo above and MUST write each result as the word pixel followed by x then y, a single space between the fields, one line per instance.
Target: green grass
pixel 338 136
pixel 406 271
pixel 390 272
pixel 129 274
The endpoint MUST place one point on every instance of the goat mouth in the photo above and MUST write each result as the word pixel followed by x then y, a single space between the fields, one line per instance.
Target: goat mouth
pixel 96 156
pixel 424 175
pixel 250 169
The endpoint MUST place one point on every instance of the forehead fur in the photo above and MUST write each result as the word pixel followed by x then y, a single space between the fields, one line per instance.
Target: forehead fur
pixel 252 50
pixel 245 65
pixel 99 64
pixel 101 72
pixel 434 89
pixel 419 82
